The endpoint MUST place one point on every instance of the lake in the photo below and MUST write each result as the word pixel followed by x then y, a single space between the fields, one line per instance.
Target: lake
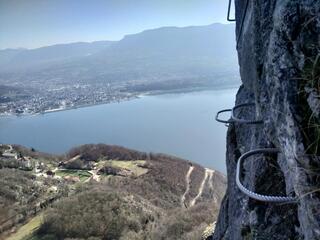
pixel 180 124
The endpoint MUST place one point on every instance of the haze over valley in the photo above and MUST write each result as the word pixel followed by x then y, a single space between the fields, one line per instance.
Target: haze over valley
pixel 154 61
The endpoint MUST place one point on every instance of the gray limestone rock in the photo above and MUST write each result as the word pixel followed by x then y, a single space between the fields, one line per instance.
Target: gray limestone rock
pixel 278 45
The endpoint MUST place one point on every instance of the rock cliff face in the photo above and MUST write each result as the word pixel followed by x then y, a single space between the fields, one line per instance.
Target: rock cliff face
pixel 279 51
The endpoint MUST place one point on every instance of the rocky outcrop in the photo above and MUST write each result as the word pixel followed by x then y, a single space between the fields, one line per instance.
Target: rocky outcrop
pixel 278 50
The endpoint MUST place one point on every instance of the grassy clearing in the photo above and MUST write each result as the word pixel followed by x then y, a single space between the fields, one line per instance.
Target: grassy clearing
pixel 82 174
pixel 26 230
pixel 133 166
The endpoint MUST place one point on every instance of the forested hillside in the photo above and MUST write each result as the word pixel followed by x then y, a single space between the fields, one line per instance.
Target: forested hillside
pixel 105 192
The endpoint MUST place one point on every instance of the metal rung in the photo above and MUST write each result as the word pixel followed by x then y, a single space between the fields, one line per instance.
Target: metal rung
pixel 239 120
pixel 223 121
pixel 234 118
pixel 228 15
pixel 260 197
pixel 242 18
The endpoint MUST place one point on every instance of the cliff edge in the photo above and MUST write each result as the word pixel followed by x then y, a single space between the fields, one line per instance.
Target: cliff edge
pixel 278 50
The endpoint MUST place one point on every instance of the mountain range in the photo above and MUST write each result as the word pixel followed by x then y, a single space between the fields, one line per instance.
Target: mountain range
pixel 168 54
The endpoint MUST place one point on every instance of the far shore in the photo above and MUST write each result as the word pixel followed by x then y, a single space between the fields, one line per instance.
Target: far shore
pixel 137 96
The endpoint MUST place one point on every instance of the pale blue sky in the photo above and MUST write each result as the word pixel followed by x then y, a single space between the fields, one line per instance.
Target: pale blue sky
pixel 35 23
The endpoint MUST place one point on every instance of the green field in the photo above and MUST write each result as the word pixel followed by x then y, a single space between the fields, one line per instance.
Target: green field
pixel 128 165
pixel 82 174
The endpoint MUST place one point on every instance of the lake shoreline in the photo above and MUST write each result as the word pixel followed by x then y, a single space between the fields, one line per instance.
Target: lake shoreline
pixel 176 124
pixel 137 96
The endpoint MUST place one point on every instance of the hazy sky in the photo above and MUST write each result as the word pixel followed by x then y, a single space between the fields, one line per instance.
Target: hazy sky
pixel 35 23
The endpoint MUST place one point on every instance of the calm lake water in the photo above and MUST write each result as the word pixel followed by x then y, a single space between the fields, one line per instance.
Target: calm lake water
pixel 178 124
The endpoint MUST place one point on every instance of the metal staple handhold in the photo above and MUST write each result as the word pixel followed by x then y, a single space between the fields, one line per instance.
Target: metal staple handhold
pixel 233 115
pixel 228 15
pixel 223 121
pixel 242 18
pixel 260 197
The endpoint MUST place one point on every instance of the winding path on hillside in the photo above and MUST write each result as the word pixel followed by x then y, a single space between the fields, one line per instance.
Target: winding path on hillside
pixel 211 172
pixel 73 159
pixel 187 179
pixel 208 173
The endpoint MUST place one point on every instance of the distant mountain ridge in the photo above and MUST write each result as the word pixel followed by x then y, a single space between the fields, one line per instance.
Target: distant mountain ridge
pixel 26 58
pixel 200 53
